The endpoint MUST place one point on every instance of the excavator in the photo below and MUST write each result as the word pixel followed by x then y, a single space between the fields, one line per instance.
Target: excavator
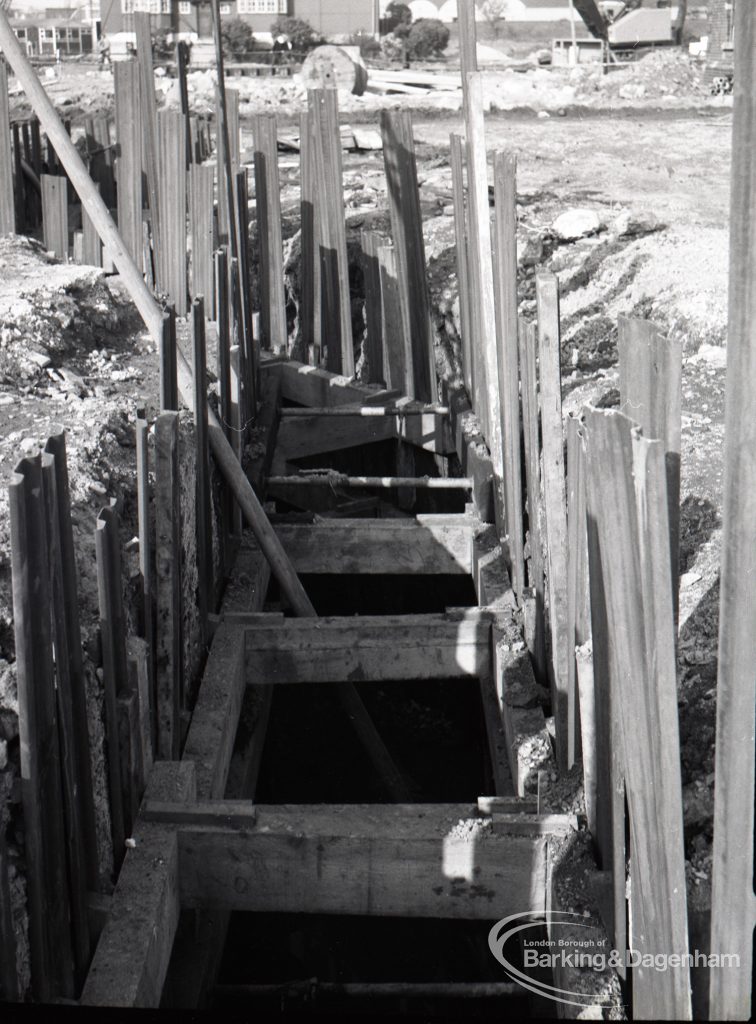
pixel 628 26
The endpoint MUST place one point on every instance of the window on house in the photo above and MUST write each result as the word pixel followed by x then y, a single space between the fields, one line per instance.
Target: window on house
pixel 127 6
pixel 225 8
pixel 262 6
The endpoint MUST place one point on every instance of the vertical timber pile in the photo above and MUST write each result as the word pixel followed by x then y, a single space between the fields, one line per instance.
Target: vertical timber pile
pixel 269 237
pixel 733 903
pixel 7 207
pixel 407 233
pixel 148 119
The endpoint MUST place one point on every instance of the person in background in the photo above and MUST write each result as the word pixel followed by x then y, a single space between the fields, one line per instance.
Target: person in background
pixel 281 48
pixel 103 49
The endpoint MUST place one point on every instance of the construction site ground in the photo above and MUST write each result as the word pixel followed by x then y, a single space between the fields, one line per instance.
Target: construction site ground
pixel 652 180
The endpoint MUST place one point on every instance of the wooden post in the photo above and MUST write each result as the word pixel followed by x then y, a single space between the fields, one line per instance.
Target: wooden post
pixel 227 124
pixel 101 157
pixel 371 271
pixel 555 504
pixel 72 770
pixel 129 155
pixel 309 308
pixel 91 245
pixel 528 346
pixel 250 343
pixel 171 256
pixel 22 219
pixel 7 206
pixel 66 573
pixel 407 232
pixel 505 194
pixel 114 670
pixel 456 157
pixel 201 186
pixel 397 355
pixel 650 375
pixel 336 313
pixel 627 480
pixel 49 934
pixel 269 238
pixel 487 399
pixel 732 916
pixel 55 214
pixel 182 62
pixel 468 54
pixel 168 355
pixel 148 120
pixel 578 608
pixel 145 560
pixel 202 471
pixel 168 565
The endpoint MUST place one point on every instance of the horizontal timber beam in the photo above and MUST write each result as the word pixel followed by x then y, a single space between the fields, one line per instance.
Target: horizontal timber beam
pixel 379 546
pixel 312 434
pixel 406 861
pixel 309 385
pixel 369 648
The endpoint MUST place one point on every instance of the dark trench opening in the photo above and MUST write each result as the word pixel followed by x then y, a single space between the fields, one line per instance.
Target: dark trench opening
pixel 434 730
pixel 383 594
pixel 298 964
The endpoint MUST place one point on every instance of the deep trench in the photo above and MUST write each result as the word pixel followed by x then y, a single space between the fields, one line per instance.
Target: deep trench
pixel 274 964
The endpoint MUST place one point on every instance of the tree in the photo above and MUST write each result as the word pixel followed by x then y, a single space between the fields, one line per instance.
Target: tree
pixel 237 37
pixel 494 11
pixel 427 37
pixel 301 34
pixel 398 17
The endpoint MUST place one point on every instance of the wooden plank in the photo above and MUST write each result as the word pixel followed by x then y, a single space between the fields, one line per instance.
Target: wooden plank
pixel 210 740
pixel 407 234
pixel 70 694
pixel 370 242
pixel 128 131
pixel 250 342
pixel 336 314
pixel 168 591
pixel 733 907
pixel 55 214
pixel 650 375
pixel 203 514
pixel 211 813
pixel 137 657
pixel 303 436
pixel 505 194
pixel 627 481
pixel 487 396
pixel 378 860
pixel 497 739
pixel 49 935
pixel 378 648
pixel 528 345
pixel 130 751
pixel 227 110
pixel 70 659
pixel 309 305
pixel 489 570
pixel 171 262
pixel 461 237
pixel 91 245
pixel 309 385
pixel 396 345
pixel 182 64
pixel 132 956
pixel 366 547
pixel 167 354
pixel 114 668
pixel 7 203
pixel 578 605
pixel 269 237
pixel 101 158
pixel 201 191
pixel 148 121
pixel 146 570
pixel 555 504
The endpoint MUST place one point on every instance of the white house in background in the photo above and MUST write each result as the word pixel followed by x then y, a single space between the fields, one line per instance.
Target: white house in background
pixel 511 10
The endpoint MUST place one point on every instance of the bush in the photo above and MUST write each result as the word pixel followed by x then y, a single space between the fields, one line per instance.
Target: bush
pixel 398 16
pixel 392 48
pixel 368 44
pixel 301 33
pixel 237 37
pixel 427 38
pixel 162 44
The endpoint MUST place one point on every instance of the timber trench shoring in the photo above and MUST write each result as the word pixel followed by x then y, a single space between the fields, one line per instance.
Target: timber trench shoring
pixel 574 563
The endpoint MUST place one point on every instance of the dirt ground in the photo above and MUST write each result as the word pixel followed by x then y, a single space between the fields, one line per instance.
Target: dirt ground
pixel 655 174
